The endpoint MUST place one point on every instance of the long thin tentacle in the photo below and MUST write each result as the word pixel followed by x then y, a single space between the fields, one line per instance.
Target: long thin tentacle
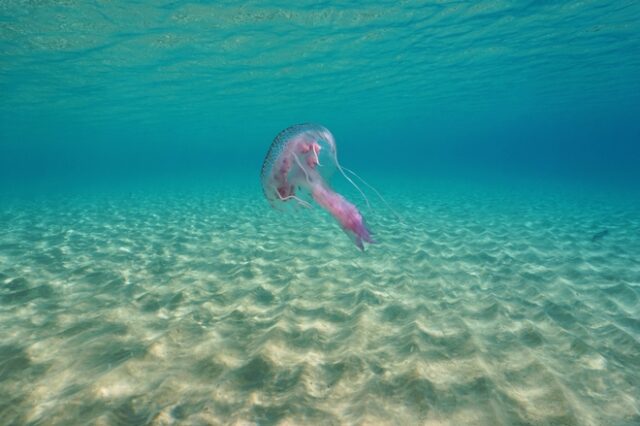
pixel 377 193
pixel 352 182
pixel 315 153
pixel 299 200
pixel 306 175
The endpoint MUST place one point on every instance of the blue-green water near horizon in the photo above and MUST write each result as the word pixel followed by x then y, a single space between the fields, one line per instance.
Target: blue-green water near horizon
pixel 144 279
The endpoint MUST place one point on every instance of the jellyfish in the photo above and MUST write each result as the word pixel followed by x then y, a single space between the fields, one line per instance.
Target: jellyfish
pixel 297 170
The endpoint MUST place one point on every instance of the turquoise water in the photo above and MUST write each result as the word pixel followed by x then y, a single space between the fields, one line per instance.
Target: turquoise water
pixel 145 279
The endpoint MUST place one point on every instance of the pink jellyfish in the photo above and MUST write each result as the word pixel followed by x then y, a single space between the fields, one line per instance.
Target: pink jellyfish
pixel 298 165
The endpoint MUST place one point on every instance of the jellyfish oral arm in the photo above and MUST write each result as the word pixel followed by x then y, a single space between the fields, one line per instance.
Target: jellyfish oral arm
pixel 344 212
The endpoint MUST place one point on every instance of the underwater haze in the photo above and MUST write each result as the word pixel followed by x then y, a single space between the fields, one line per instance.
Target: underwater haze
pixel 166 259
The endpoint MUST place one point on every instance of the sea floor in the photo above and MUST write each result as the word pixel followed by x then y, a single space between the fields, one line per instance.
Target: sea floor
pixel 481 306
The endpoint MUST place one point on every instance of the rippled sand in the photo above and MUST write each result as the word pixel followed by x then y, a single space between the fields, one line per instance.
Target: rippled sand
pixel 482 307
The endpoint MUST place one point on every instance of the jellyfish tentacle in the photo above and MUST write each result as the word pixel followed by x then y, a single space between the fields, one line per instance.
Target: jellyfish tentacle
pixel 332 143
pixel 299 200
pixel 340 168
pixel 306 175
pixel 315 153
pixel 377 193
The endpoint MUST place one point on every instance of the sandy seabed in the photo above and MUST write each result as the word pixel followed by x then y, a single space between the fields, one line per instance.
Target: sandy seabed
pixel 482 306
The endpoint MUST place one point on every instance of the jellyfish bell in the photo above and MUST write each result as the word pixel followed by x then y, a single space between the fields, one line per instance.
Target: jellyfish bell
pixel 297 169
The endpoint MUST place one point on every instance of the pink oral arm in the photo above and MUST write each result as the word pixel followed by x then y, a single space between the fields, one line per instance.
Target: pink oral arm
pixel 345 213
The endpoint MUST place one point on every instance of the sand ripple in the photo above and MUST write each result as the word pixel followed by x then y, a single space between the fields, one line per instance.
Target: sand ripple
pixel 209 308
